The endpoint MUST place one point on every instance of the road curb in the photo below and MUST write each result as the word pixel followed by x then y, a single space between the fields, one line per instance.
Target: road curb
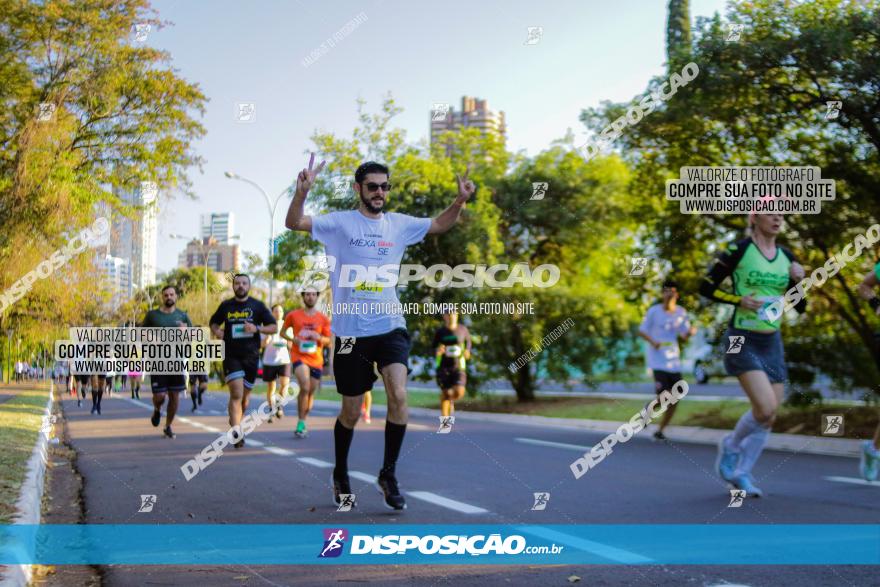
pixel 793 443
pixel 30 497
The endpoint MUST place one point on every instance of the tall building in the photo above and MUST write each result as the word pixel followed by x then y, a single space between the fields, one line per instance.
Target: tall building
pixel 221 257
pixel 220 225
pixel 474 113
pixel 117 277
pixel 135 239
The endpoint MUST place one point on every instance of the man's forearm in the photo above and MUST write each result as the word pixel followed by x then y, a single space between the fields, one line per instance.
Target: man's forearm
pixel 296 211
pixel 448 217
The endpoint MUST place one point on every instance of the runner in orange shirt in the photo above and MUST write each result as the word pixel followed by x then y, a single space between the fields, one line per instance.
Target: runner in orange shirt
pixel 311 333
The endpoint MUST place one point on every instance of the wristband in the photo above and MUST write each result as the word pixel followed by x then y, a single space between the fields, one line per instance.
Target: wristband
pixel 874 302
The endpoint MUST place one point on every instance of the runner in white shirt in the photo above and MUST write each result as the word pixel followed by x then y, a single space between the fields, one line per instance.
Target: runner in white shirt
pixel 663 325
pixel 276 365
pixel 370 238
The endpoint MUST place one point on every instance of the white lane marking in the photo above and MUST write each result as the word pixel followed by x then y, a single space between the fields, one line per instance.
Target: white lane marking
pixel 553 444
pixel 281 452
pixel 610 552
pixel 362 476
pixel 315 462
pixel 255 442
pixel 215 412
pixel 853 480
pixel 446 502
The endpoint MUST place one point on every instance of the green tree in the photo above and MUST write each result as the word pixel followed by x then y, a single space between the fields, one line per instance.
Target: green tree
pixel 678 33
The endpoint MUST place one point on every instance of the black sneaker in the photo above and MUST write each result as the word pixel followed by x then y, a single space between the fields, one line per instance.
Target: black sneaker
pixel 168 432
pixel 388 486
pixel 659 435
pixel 157 417
pixel 340 486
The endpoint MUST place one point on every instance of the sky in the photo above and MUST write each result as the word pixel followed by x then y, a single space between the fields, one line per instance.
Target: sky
pixel 420 53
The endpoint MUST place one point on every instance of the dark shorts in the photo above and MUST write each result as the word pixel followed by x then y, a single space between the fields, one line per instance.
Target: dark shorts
pixel 84 379
pixel 198 379
pixel 314 372
pixel 759 351
pixel 353 367
pixel 665 380
pixel 273 372
pixel 449 378
pixel 241 368
pixel 163 383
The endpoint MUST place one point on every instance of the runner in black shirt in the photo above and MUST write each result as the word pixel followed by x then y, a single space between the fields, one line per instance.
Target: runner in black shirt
pixel 239 322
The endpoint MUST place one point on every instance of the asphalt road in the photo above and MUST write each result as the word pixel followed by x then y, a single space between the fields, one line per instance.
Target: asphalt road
pixel 483 472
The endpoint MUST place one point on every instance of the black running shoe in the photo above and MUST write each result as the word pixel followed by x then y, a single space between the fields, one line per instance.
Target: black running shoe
pixel 157 417
pixel 168 432
pixel 388 486
pixel 340 486
pixel 659 435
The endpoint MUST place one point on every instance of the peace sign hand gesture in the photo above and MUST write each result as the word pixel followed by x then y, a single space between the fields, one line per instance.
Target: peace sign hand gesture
pixel 306 178
pixel 466 187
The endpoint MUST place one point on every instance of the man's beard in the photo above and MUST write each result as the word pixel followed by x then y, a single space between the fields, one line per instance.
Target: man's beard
pixel 310 305
pixel 370 207
pixel 169 303
pixel 241 295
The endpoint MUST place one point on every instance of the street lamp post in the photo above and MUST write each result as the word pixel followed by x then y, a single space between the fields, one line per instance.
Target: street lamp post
pixel 272 208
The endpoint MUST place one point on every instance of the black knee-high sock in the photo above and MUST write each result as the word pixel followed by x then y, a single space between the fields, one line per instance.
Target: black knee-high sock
pixel 342 440
pixel 94 398
pixel 393 441
pixel 194 396
pixel 100 395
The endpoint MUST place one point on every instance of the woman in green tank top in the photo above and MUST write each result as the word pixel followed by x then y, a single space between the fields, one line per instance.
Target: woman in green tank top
pixel 761 272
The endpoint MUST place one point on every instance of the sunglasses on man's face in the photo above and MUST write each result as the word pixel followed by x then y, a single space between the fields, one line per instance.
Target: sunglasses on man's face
pixel 372 187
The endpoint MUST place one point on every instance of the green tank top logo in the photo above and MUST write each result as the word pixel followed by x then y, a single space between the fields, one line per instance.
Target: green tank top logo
pixel 764 280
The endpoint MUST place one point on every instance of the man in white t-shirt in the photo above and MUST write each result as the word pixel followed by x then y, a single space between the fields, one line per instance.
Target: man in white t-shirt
pixel 663 325
pixel 369 238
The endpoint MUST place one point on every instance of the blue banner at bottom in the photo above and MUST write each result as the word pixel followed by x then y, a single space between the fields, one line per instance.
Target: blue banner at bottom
pixel 686 544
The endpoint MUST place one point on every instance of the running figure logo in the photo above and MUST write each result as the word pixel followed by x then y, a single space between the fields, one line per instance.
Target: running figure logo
pixel 539 189
pixel 141 30
pixel 341 188
pixel 446 423
pixel 833 109
pixel 832 425
pixel 346 345
pixel 734 31
pixel 638 265
pixel 317 271
pixel 541 501
pixel 147 503
pixel 47 112
pixel 534 35
pixel 346 502
pixel 334 541
pixel 735 344
pixel 246 112
pixel 736 498
pixel 439 112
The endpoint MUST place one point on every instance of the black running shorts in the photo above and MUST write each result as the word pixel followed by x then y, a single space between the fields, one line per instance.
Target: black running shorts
pixel 353 359
pixel 241 367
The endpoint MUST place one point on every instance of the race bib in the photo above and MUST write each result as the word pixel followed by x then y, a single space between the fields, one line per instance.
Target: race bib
pixel 308 347
pixel 279 344
pixel 453 350
pixel 239 332
pixel 367 290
